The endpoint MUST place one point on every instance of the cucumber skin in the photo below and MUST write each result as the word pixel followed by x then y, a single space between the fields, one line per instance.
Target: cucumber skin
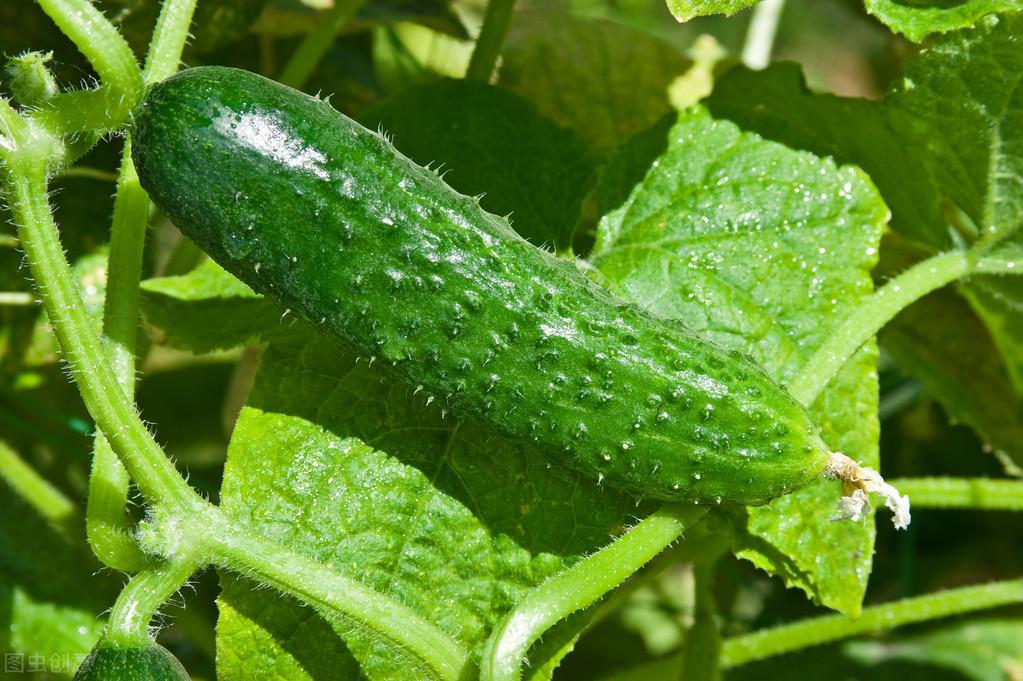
pixel 313 210
pixel 109 662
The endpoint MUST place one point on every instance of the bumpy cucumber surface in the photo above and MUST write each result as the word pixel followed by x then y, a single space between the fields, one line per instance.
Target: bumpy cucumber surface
pixel 315 211
pixel 108 662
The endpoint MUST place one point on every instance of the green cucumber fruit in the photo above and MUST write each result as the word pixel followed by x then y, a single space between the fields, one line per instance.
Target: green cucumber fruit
pixel 326 217
pixel 110 662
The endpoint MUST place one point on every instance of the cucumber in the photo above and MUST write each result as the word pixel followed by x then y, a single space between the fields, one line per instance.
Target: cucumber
pixel 326 217
pixel 110 662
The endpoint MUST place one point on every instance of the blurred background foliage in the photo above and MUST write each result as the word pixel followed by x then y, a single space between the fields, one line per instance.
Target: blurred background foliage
pixel 649 61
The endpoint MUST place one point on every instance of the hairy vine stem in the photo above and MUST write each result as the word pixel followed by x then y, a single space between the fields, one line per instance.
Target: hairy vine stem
pixel 872 314
pixel 981 494
pixel 106 522
pixel 580 586
pixel 817 630
pixel 102 393
pixel 145 593
pixel 317 585
pixel 106 108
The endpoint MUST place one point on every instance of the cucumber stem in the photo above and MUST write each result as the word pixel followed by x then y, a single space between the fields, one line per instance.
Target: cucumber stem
pixel 817 630
pixel 579 587
pixel 139 601
pixel 857 483
pixel 970 493
pixel 870 316
pixel 107 524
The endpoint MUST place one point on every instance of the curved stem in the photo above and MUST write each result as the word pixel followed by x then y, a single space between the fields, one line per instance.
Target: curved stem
pixel 233 547
pixel 81 347
pixel 36 490
pixel 146 592
pixel 89 173
pixel 818 630
pixel 316 43
pixel 701 657
pixel 579 587
pixel 979 494
pixel 107 524
pixel 168 41
pixel 490 40
pixel 108 52
pixel 763 27
pixel 873 313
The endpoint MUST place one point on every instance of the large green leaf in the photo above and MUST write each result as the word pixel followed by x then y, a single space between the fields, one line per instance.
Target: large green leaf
pixel 684 10
pixel 50 595
pixel 946 150
pixel 940 341
pixel 776 104
pixel 490 141
pixel 917 19
pixel 339 461
pixel 961 100
pixel 207 309
pixel 764 249
pixel 603 79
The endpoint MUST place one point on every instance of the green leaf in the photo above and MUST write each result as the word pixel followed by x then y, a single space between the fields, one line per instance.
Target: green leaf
pixel 999 303
pixel 917 19
pixel 776 103
pixel 601 78
pixel 961 100
pixel 980 650
pixel 48 619
pixel 684 10
pixel 628 164
pixel 490 141
pixel 764 249
pixel 952 132
pixel 206 310
pixel 940 341
pixel 343 463
pixel 290 18
pixel 405 55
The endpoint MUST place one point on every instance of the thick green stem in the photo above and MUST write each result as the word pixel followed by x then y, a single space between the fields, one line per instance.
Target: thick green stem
pixel 579 587
pixel 817 630
pixel 763 27
pixel 701 657
pixel 871 315
pixel 168 41
pixel 81 346
pixel 235 548
pixel 490 40
pixel 107 524
pixel 980 494
pixel 128 625
pixel 36 490
pixel 93 111
pixel 316 43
